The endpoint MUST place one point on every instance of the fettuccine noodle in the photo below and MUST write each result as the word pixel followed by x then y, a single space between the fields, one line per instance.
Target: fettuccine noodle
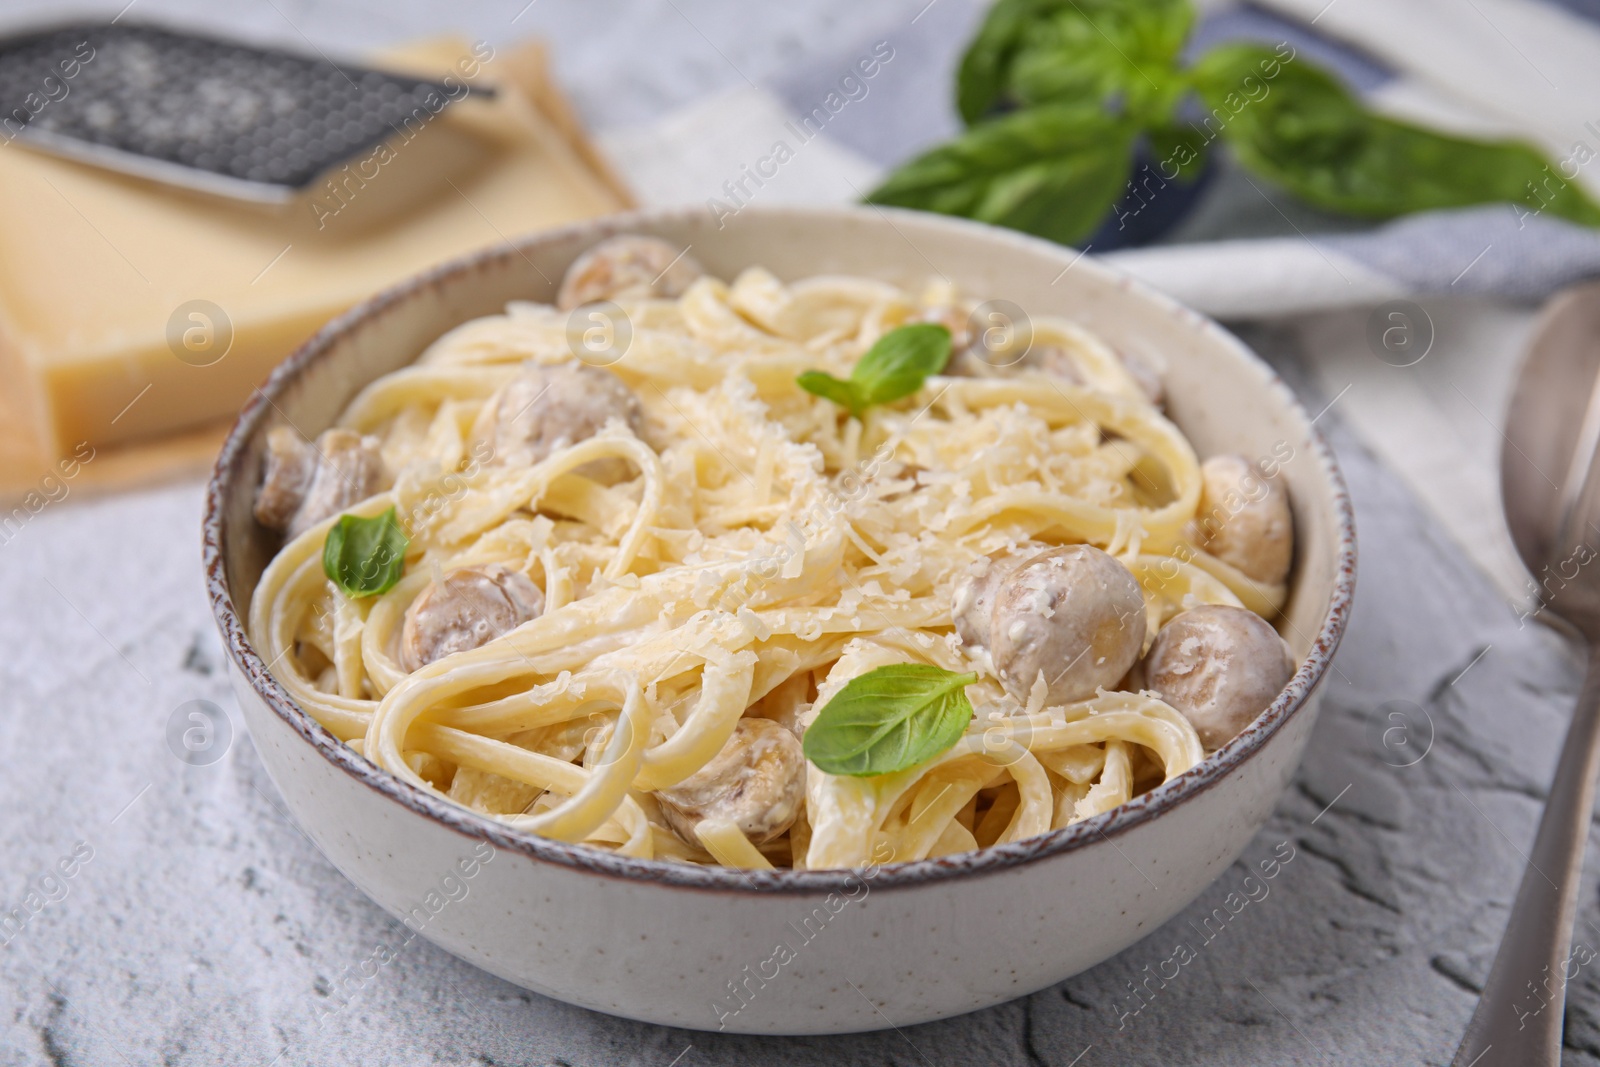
pixel 760 550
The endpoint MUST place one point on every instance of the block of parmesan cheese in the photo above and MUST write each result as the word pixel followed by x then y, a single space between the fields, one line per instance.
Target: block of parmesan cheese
pixel 117 294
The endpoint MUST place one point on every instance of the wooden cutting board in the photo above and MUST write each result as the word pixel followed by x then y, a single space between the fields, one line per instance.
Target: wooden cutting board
pixel 29 479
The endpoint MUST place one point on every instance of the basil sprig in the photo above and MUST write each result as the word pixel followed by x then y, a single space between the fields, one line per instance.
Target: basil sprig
pixel 1058 95
pixel 1116 55
pixel 1051 170
pixel 365 557
pixel 894 367
pixel 1312 137
pixel 890 719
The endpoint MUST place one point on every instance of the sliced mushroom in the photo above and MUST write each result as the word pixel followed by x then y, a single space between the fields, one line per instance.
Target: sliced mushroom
pixel 303 484
pixel 464 609
pixel 756 782
pixel 1220 666
pixel 627 266
pixel 1244 519
pixel 1073 614
pixel 548 408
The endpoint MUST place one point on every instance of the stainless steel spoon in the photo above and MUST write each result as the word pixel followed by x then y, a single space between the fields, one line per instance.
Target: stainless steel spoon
pixel 1550 482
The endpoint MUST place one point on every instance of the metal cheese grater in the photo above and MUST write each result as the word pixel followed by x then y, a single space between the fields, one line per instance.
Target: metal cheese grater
pixel 228 118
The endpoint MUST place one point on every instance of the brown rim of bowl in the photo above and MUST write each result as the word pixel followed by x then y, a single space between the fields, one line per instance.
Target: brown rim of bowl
pixel 1139 810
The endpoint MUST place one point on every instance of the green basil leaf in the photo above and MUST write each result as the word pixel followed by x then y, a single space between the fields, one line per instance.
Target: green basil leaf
pixel 1298 126
pixel 825 385
pixel 983 79
pixel 365 557
pixel 893 368
pixel 890 719
pixel 1123 55
pixel 1119 55
pixel 898 362
pixel 1181 147
pixel 1053 170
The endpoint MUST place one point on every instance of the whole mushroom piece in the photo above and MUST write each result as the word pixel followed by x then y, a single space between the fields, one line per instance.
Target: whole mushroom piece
pixel 303 484
pixel 1220 666
pixel 756 782
pixel 1074 615
pixel 466 608
pixel 547 408
pixel 972 606
pixel 1244 519
pixel 627 266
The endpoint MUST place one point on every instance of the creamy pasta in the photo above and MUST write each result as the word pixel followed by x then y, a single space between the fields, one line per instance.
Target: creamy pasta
pixel 604 577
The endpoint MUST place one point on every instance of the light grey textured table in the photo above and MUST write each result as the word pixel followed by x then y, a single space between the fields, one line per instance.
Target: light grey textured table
pixel 205 929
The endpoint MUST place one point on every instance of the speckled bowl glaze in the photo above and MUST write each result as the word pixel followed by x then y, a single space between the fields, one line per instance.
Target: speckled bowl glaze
pixel 790 952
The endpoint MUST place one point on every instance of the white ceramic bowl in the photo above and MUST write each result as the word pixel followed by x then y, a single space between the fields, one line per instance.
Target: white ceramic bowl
pixel 791 951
